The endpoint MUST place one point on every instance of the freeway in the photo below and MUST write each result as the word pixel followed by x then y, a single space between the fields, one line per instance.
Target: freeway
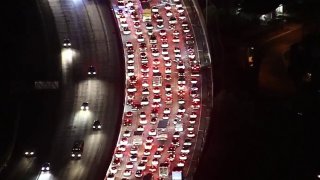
pixel 150 140
pixel 90 27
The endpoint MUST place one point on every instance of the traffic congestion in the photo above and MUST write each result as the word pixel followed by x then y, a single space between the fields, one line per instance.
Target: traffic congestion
pixel 163 91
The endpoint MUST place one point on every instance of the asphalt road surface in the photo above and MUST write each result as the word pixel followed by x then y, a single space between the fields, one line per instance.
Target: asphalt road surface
pixel 90 27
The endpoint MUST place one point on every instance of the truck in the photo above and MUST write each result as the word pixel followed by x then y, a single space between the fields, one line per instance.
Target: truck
pixel 177 173
pixel 162 133
pixel 164 170
pixel 137 138
pixel 178 127
pixel 156 79
pixel 146 12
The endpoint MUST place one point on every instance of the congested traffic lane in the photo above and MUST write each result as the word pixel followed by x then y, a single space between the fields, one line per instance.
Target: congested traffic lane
pixel 179 70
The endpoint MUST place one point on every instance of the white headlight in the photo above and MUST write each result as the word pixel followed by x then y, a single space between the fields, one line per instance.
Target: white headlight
pixel 26 153
pixel 82 107
pixel 72 155
pixel 42 168
pixel 94 72
pixel 31 153
pixel 93 127
pixel 47 168
pixel 79 155
pixel 99 126
pixel 89 72
pixel 87 108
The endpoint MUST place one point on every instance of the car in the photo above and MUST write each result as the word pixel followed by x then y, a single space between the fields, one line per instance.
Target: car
pixel 133 79
pixel 156 98
pixel 157 154
pixel 85 106
pixel 149 139
pixel 77 149
pixel 119 13
pixel 178 4
pixel 129 3
pixel 176 135
pixel 140 128
pixel 181 65
pixel 180 115
pixel 187 142
pixel 190 127
pixel 127 173
pixel 138 31
pixel 150 32
pixel 66 43
pixel 172 20
pixel 142 47
pixel 45 167
pixel 167 63
pixel 130 66
pixel 167 6
pixel 118 154
pixel 144 159
pixel 195 105
pixel 145 91
pixel 171 157
pixel 192 120
pixel 152 132
pixel 160 25
pixel 154 9
pixel 155 162
pixel 191 134
pixel 136 19
pixel 155 69
pixel 152 169
pixel 124 141
pixel 140 38
pixel 168 77
pixel 181 81
pixel 159 19
pixel 169 13
pixel 156 90
pixel 146 152
pixel 113 170
pixel 175 142
pixel 131 9
pixel 153 39
pixel 127 133
pixel 180 10
pixel 110 176
pixel 130 55
pixel 129 44
pixel 96 125
pixel 160 148
pixel 122 18
pixel 127 122
pixel 29 152
pixel 180 163
pixel 177 55
pixel 182 109
pixel 155 53
pixel 164 51
pixel 133 150
pixel 133 158
pixel 143 121
pixel 149 26
pixel 123 24
pixel 164 44
pixel 134 14
pixel 194 81
pixel 144 68
pixel 167 70
pixel 176 39
pixel 132 88
pixel 181 101
pixel 145 84
pixel 138 174
pixel 116 162
pixel 153 120
pixel 136 25
pixel 166 111
pixel 176 33
pixel 168 94
pixel 182 16
pixel 129 165
pixel 148 145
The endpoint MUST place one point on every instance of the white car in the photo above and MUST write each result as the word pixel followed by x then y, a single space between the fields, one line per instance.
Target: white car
pixel 155 53
pixel 122 18
pixel 168 87
pixel 143 121
pixel 146 152
pixel 181 87
pixel 176 135
pixel 140 128
pixel 140 38
pixel 136 25
pixel 181 109
pixel 172 20
pixel 163 32
pixel 129 44
pixel 134 150
pixel 129 3
pixel 155 162
pixel 167 111
pixel 148 145
pixel 129 165
pixel 126 133
pixel 124 141
pixel 145 91
pixel 118 154
pixel 193 115
pixel 164 44
pixel 180 163
pixel 157 154
pixel 126 31
pixel 190 127
pixel 167 61
pixel 152 132
pixel 182 16
pixel 167 6
pixel 149 26
pixel 169 13
pixel 156 98
pixel 178 4
pixel 130 55
pixel 156 90
pixel 164 51
pixel 166 57
pixel 141 166
pixel 149 140
pixel 145 84
pixel 177 55
pixel 155 69
pixel 181 65
pixel 114 170
pixel 187 142
pixel 176 33
pixel 138 31
pixel 138 174
pixel 130 66
pixel 130 60
pixel 134 158
pixel 127 173
pixel 160 148
pixel 160 25
pixel 194 81
pixel 180 10
pixel 144 101
pixel 156 62
pixel 168 70
pixel 191 134
pixel 123 23
pixel 154 9
pixel 122 148
pixel 153 39
pixel 176 39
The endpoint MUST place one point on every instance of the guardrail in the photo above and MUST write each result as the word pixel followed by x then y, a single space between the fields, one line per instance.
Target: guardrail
pixel 201 36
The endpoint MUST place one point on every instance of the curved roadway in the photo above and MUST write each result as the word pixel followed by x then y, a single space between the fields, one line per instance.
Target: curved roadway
pixel 90 27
